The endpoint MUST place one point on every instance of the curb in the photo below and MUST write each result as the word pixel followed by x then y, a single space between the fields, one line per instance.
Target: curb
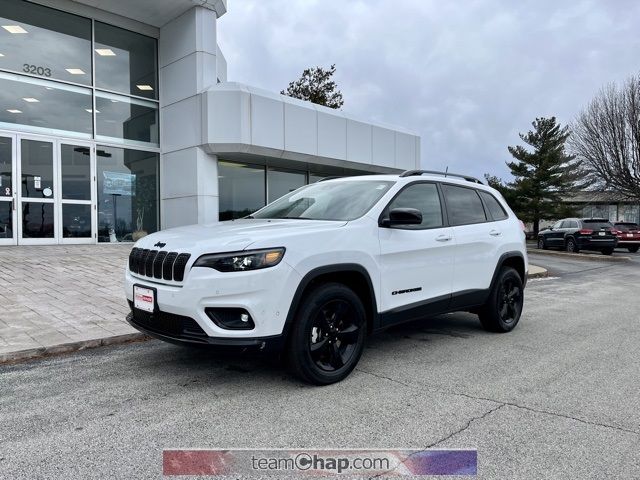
pixel 540 273
pixel 596 257
pixel 33 353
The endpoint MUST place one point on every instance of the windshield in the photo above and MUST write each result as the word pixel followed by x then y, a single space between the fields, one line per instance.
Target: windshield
pixel 327 201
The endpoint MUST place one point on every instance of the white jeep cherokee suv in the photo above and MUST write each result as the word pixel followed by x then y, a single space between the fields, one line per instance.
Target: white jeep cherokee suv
pixel 317 270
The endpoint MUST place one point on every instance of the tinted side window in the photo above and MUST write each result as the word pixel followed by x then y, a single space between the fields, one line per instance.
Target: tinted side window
pixel 573 224
pixel 565 224
pixel 494 207
pixel 463 205
pixel 424 197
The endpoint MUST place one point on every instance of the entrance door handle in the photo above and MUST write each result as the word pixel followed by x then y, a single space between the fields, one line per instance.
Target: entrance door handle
pixel 495 233
pixel 443 238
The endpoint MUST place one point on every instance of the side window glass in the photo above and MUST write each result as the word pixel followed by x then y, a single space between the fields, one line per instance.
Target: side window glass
pixel 463 205
pixel 423 197
pixel 565 224
pixel 494 207
pixel 557 225
pixel 574 224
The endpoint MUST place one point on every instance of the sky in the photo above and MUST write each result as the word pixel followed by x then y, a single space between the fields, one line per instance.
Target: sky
pixel 465 75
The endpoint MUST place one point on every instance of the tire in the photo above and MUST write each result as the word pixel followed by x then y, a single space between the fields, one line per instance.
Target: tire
pixel 542 245
pixel 571 246
pixel 633 249
pixel 502 311
pixel 607 251
pixel 328 334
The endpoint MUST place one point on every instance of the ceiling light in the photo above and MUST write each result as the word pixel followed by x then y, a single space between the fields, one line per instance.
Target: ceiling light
pixel 105 52
pixel 14 29
pixel 91 111
pixel 75 71
pixel 14 110
pixel 144 87
pixel 1 54
pixel 30 99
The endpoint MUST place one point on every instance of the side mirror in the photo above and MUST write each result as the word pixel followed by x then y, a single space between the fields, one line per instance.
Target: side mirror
pixel 403 216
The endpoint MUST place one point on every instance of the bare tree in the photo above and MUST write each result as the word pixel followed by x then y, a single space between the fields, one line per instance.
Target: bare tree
pixel 606 136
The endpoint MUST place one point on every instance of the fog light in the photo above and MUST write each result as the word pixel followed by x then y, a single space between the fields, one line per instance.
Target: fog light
pixel 230 318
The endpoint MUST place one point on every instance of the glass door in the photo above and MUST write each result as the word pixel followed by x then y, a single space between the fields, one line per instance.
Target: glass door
pixel 37 193
pixel 7 190
pixel 76 201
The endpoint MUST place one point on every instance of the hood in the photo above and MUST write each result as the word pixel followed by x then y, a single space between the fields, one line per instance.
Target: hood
pixel 231 235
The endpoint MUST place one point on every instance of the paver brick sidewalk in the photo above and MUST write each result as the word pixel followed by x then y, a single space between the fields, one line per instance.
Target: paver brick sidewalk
pixel 53 295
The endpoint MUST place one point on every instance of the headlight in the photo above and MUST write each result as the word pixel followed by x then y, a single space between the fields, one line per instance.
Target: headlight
pixel 242 261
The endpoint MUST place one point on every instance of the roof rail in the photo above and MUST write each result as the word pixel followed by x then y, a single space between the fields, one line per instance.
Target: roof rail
pixel 411 173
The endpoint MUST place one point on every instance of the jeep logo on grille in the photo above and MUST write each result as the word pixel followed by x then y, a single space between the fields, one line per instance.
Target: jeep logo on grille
pixel 160 245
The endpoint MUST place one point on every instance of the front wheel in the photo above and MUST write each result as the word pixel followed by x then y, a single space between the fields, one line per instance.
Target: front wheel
pixel 503 308
pixel 633 249
pixel 328 335
pixel 542 245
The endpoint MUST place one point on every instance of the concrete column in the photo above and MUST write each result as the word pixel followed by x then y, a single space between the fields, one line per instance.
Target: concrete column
pixel 188 175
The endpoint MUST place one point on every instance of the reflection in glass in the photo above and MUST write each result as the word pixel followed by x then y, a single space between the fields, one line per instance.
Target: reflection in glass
pixel 76 221
pixel 6 167
pixel 36 168
pixel 37 220
pixel 315 177
pixel 6 220
pixel 125 61
pixel 45 106
pixel 127 194
pixel 126 120
pixel 280 183
pixel 75 163
pixel 45 42
pixel 242 189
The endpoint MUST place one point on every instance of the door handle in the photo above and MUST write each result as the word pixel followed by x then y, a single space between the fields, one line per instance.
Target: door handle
pixel 443 238
pixel 495 233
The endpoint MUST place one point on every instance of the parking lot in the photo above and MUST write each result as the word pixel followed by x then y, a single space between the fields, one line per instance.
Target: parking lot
pixel 556 398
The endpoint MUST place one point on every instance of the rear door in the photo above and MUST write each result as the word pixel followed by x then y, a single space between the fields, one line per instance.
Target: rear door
pixel 416 261
pixel 477 241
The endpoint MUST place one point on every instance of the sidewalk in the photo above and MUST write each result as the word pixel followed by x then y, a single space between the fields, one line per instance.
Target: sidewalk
pixel 61 295
pixel 56 299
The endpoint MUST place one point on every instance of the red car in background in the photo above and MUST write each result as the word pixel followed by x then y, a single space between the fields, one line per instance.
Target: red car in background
pixel 628 234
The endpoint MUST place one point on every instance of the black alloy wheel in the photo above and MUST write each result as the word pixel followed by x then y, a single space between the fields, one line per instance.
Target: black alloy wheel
pixel 510 301
pixel 502 310
pixel 541 243
pixel 328 334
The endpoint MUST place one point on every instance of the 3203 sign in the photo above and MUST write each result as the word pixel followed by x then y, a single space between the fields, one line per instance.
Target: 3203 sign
pixel 36 70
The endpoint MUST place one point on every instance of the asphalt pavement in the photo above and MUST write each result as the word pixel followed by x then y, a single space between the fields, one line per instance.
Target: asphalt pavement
pixel 558 397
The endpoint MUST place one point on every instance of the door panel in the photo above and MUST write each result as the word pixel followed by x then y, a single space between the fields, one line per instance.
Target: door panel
pixel 76 193
pixel 7 190
pixel 38 192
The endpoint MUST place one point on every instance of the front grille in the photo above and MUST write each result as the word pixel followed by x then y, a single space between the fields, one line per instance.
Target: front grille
pixel 168 324
pixel 158 264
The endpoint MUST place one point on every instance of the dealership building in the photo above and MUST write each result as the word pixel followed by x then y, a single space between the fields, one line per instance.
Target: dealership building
pixel 117 119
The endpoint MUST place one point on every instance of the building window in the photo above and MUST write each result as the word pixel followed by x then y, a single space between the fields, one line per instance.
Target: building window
pixel 127 193
pixel 46 107
pixel 241 189
pixel 281 182
pixel 125 61
pixel 126 120
pixel 44 42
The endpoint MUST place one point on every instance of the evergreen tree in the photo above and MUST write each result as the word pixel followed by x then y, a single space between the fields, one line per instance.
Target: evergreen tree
pixel 544 175
pixel 316 85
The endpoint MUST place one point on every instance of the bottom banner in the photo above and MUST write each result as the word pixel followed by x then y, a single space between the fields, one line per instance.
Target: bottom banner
pixel 237 462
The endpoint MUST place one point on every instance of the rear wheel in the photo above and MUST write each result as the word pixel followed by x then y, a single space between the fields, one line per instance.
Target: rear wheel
pixel 633 249
pixel 542 245
pixel 571 246
pixel 502 311
pixel 607 251
pixel 328 335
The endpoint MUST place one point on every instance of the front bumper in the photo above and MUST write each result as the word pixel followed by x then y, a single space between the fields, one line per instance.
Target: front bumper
pixel 265 294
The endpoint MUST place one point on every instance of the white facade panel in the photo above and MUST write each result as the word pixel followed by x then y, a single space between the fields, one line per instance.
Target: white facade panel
pixel 383 145
pixel 359 141
pixel 332 135
pixel 406 152
pixel 300 129
pixel 181 124
pixel 177 80
pixel 228 117
pixel 267 122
